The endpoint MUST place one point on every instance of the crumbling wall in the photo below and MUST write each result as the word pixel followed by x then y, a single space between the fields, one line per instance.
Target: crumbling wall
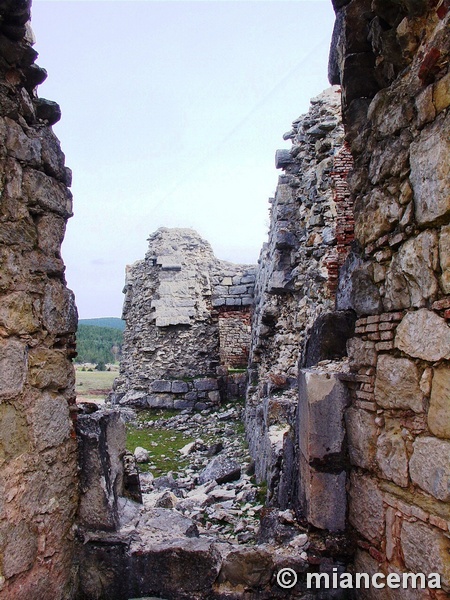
pixel 392 59
pixel 309 237
pixel 187 315
pixel 38 477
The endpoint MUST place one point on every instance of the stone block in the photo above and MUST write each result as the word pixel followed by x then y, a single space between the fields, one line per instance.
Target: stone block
pixel 14 434
pixel 46 193
pixel 429 466
pixel 246 279
pixel 221 469
pixel 320 421
pixel 161 385
pixel 65 319
pixel 361 437
pixel 361 353
pixel 366 512
pixel 20 146
pixel 233 302
pixel 249 567
pixel 49 368
pixel 179 387
pixel 385 212
pixel 164 568
pixel 51 424
pixel 323 497
pixel 237 290
pixel 430 172
pixel 20 546
pixel 101 437
pixel 441 93
pixel 392 457
pixel 13 365
pixel 411 279
pixel 218 302
pixel 283 159
pixel 214 397
pixel 423 334
pixel 439 412
pixel 160 401
pixel 397 384
pixel 17 314
pixel 444 257
pixel 426 111
pixel 183 404
pixel 206 385
pixel 425 550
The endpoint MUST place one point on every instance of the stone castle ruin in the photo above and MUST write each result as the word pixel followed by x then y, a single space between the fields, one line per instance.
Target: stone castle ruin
pixel 344 322
pixel 188 321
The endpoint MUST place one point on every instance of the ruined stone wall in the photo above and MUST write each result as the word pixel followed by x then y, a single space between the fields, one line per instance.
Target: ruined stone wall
pixel 393 61
pixel 38 476
pixel 186 316
pixel 309 236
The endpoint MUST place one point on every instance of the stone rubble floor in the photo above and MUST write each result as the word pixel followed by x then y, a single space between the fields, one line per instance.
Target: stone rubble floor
pixel 214 486
pixel 229 510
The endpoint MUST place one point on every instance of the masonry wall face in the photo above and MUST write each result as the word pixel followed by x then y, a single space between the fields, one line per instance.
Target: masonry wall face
pixel 38 465
pixel 309 237
pixel 393 62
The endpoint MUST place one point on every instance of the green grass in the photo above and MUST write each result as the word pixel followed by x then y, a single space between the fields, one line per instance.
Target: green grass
pixel 94 384
pixel 163 446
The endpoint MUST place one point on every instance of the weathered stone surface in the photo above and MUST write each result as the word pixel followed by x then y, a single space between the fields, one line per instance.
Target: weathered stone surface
pixel 14 434
pixel 425 550
pixel 17 314
pixel 51 422
pixel 357 290
pixel 392 457
pixel 13 363
pixel 361 353
pixel 411 278
pixel 248 567
pixel 385 213
pixel 444 258
pixel 141 455
pixel 322 401
pixel 439 412
pixel 397 384
pixel 430 172
pixel 59 311
pixel 159 385
pixel 20 549
pixel 323 497
pixel 430 466
pixel 49 368
pixel 220 469
pixel 366 512
pixel 44 194
pixel 38 477
pixel 188 566
pixel 362 437
pixel 423 334
pixel 102 445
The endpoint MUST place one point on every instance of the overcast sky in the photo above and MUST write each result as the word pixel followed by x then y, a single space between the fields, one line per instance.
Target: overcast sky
pixel 172 112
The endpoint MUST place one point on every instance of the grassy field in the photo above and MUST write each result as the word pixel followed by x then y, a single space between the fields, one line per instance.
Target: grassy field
pixel 94 385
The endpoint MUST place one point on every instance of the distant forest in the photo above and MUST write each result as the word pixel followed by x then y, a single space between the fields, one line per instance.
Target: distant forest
pixel 113 322
pixel 99 345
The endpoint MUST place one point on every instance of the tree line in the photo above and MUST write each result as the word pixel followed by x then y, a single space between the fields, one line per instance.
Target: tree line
pixel 98 344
